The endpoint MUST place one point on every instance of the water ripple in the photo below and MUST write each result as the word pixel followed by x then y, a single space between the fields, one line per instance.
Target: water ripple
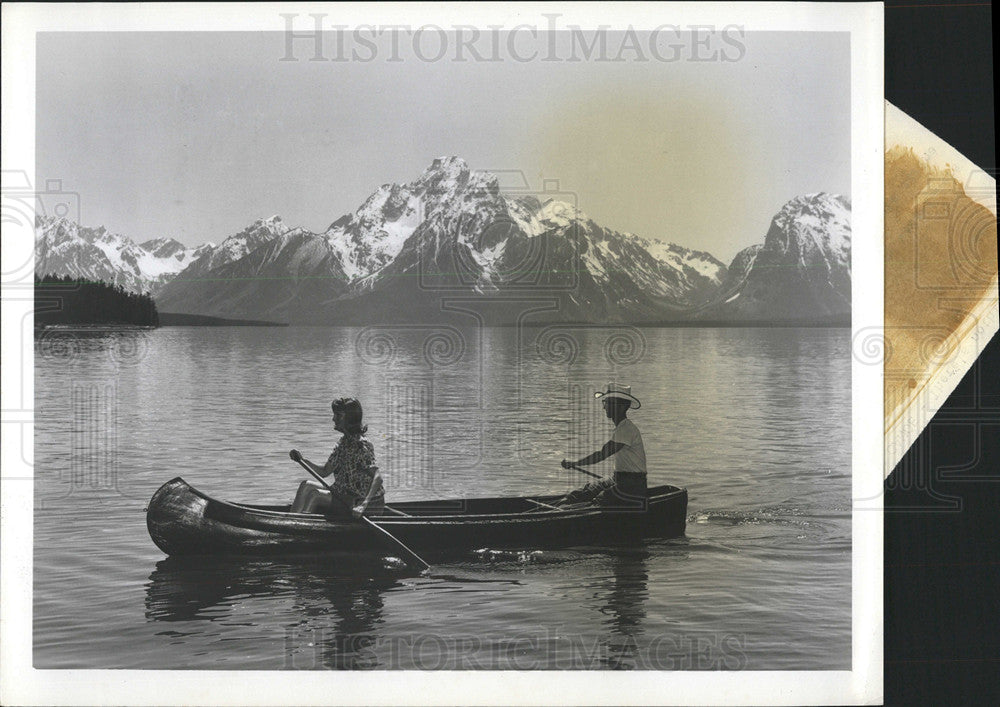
pixel 766 561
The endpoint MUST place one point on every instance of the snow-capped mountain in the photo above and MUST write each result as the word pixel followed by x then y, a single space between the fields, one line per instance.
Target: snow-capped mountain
pixel 236 246
pixel 477 240
pixel 802 271
pixel 273 281
pixel 452 231
pixel 372 236
pixel 62 247
pixel 255 273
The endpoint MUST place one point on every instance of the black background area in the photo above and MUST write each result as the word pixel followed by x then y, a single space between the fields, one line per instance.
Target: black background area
pixel 942 521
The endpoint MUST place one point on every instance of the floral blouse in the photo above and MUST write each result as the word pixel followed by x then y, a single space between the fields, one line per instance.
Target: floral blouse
pixel 352 463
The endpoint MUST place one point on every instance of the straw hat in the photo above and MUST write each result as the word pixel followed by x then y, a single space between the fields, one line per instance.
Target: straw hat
pixel 622 392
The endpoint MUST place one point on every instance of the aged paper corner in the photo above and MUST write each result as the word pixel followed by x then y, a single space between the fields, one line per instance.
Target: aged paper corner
pixel 940 275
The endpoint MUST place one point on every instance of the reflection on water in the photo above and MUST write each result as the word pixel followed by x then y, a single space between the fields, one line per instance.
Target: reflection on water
pixel 338 618
pixel 625 606
pixel 121 347
pixel 358 608
pixel 344 597
pixel 754 422
pixel 206 588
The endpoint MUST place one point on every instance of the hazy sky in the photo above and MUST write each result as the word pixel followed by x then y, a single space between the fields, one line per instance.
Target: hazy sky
pixel 195 135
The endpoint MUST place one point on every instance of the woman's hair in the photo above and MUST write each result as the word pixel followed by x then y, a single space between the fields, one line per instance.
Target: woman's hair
pixel 352 415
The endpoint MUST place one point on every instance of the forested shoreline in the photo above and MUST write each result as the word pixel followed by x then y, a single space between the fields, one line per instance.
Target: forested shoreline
pixel 61 300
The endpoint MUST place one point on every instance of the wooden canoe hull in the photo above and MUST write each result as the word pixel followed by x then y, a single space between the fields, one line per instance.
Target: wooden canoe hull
pixel 183 521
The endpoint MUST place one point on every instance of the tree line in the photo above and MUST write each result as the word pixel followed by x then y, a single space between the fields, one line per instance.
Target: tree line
pixel 70 300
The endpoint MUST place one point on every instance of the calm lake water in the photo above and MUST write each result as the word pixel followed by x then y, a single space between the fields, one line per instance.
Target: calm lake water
pixel 754 422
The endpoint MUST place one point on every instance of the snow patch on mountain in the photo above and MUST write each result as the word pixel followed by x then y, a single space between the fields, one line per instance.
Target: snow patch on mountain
pixel 801 271
pixel 446 200
pixel 374 234
pixel 817 222
pixel 681 257
pixel 559 214
pixel 458 231
pixel 260 232
pixel 63 247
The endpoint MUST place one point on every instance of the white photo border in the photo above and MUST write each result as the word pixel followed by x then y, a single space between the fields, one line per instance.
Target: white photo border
pixel 23 684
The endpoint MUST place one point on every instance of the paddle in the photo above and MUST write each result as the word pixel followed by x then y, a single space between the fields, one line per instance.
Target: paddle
pixel 584 471
pixel 561 501
pixel 413 558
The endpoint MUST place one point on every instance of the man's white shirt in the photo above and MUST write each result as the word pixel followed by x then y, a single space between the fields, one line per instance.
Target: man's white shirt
pixel 632 457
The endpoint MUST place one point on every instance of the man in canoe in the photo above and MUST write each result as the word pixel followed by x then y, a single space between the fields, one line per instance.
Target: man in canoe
pixel 627 487
pixel 357 488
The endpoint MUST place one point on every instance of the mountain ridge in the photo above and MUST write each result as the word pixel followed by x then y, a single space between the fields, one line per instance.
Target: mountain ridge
pixel 454 233
pixel 802 269
pixel 63 247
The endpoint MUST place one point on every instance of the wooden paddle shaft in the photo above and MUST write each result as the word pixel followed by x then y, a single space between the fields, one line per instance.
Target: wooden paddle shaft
pixel 314 474
pixel 584 471
pixel 409 554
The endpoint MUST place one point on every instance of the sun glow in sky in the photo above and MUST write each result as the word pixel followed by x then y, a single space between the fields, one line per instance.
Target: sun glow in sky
pixel 195 135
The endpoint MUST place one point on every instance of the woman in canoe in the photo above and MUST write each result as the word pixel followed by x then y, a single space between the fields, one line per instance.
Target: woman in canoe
pixel 357 488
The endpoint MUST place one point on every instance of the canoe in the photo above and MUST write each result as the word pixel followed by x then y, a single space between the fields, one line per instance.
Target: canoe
pixel 184 521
